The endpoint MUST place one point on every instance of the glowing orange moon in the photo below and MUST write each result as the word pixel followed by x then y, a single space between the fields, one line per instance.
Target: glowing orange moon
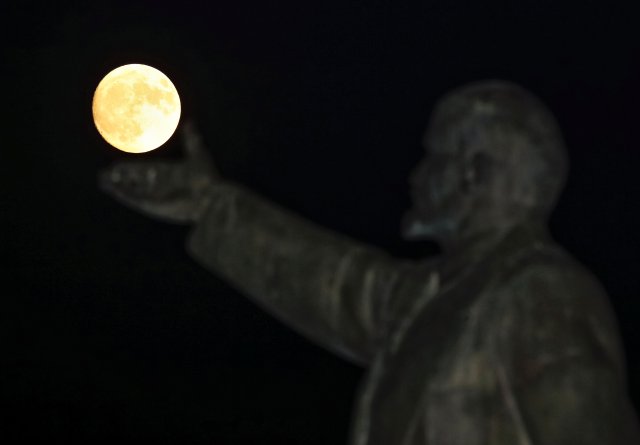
pixel 136 108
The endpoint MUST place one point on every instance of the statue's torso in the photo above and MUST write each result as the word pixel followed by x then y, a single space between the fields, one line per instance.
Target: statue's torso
pixel 437 357
pixel 444 376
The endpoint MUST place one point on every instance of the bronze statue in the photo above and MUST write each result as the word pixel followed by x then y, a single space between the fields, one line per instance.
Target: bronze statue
pixel 504 339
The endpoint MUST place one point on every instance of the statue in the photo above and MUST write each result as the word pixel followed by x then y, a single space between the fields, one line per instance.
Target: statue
pixel 503 339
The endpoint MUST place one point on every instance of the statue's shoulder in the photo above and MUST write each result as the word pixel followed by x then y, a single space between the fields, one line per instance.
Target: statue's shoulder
pixel 549 265
pixel 557 304
pixel 540 258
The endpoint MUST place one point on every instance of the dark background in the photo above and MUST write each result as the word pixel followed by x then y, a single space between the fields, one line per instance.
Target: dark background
pixel 111 332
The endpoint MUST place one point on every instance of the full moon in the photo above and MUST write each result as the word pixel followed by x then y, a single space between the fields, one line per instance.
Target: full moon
pixel 136 108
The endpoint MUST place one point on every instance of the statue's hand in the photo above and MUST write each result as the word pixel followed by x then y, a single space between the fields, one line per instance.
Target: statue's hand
pixel 170 191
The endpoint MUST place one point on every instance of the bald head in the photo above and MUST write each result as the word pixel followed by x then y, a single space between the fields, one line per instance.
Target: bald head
pixel 495 156
pixel 511 130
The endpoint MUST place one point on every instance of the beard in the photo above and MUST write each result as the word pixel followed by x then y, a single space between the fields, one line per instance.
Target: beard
pixel 417 226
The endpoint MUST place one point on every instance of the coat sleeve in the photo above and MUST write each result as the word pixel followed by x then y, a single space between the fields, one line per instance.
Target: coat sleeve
pixel 326 286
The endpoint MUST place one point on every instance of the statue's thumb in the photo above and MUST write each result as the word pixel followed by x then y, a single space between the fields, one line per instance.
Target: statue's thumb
pixel 196 152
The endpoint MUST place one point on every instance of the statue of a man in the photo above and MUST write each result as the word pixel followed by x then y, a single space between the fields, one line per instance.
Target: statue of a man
pixel 504 339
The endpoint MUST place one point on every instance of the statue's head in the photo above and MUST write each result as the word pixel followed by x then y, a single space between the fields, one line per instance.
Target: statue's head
pixel 495 158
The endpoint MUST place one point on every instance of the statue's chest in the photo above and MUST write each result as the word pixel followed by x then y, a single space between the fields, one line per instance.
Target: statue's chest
pixel 438 350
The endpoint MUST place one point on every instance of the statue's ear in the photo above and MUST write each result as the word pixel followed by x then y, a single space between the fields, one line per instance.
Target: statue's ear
pixel 478 171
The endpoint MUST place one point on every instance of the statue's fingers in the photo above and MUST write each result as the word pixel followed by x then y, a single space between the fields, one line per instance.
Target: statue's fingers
pixel 111 177
pixel 156 189
pixel 131 179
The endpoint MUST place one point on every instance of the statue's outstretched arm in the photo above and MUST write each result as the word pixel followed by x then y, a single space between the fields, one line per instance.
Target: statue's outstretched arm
pixel 325 285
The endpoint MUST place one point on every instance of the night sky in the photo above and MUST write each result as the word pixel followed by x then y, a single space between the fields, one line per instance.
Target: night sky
pixel 110 332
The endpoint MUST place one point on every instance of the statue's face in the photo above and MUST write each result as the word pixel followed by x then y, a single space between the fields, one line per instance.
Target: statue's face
pixel 487 164
pixel 440 189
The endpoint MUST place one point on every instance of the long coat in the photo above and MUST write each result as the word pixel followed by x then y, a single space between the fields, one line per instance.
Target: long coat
pixel 508 343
